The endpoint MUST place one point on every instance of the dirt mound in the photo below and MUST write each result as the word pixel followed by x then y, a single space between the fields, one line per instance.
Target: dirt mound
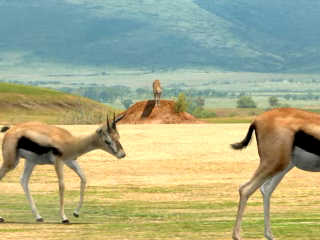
pixel 145 112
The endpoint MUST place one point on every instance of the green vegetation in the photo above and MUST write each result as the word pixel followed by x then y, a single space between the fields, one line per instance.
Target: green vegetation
pixel 233 115
pixel 107 214
pixel 25 103
pixel 273 101
pixel 127 103
pixel 228 120
pixel 246 102
pixel 121 219
pixel 8 88
pixel 214 93
pixel 181 103
pixel 28 103
pixel 196 107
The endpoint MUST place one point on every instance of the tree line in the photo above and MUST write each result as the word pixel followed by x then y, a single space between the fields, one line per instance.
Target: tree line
pixel 119 91
pixel 122 93
pixel 195 97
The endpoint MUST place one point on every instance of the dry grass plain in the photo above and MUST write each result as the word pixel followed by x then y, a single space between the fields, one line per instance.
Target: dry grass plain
pixel 177 182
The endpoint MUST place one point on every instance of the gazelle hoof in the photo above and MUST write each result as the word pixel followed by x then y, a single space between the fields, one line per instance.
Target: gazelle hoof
pixel 1 220
pixel 66 221
pixel 40 220
pixel 76 214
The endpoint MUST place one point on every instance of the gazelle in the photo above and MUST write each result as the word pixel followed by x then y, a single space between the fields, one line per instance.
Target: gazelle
pixel 286 138
pixel 157 92
pixel 40 143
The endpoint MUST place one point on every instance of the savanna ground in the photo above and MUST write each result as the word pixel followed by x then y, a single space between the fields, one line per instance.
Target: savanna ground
pixel 177 182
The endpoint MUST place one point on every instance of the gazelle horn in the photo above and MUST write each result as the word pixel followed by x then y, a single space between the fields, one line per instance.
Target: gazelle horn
pixel 108 125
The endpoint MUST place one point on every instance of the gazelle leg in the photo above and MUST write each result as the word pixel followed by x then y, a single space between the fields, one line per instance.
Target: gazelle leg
pixel 3 171
pixel 245 191
pixel 267 189
pixel 74 165
pixel 59 170
pixel 10 161
pixel 24 180
pixel 275 156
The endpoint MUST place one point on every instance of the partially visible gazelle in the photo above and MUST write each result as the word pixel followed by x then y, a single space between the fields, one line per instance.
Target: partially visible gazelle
pixel 40 143
pixel 286 138
pixel 157 92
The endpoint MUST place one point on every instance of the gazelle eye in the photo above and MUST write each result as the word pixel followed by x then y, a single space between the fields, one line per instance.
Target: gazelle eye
pixel 108 140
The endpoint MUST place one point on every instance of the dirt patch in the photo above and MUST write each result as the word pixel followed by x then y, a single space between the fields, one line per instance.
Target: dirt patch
pixel 145 112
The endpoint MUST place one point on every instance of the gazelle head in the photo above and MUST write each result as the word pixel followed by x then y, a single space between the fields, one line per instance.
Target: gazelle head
pixel 108 137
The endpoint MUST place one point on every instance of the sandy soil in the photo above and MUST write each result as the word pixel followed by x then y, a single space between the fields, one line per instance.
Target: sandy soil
pixel 158 154
pixel 195 156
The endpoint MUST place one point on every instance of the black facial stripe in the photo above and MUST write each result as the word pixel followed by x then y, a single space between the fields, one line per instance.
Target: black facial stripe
pixel 119 146
pixel 29 145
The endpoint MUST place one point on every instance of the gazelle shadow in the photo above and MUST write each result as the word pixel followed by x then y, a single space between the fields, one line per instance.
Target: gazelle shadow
pixel 148 108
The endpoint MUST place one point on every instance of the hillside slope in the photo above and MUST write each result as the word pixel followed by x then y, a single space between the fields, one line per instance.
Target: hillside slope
pixel 234 35
pixel 20 103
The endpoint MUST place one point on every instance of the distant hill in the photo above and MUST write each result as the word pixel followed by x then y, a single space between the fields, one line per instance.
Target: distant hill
pixel 20 103
pixel 233 35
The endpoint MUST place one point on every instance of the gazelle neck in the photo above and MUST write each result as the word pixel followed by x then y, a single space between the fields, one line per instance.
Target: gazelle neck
pixel 83 144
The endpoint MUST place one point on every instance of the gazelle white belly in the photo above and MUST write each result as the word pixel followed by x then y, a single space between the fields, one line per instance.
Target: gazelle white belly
pixel 305 160
pixel 46 158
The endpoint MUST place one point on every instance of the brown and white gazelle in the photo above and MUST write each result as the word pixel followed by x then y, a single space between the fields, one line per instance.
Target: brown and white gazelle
pixel 157 92
pixel 286 138
pixel 40 143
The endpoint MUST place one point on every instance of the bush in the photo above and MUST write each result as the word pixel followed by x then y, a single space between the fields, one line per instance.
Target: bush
pixel 126 103
pixel 246 102
pixel 273 101
pixel 181 104
pixel 199 112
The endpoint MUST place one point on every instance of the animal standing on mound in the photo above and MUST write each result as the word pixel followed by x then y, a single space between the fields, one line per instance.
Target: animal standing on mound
pixel 157 92
pixel 40 143
pixel 286 138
